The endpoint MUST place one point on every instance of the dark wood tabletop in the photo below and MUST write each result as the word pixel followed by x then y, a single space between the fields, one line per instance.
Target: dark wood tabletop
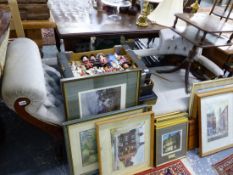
pixel 98 23
pixel 194 35
pixel 206 23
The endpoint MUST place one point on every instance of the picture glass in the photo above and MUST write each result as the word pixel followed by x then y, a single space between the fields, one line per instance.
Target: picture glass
pixel 171 142
pixel 128 146
pixel 216 121
pixel 82 144
pixel 125 145
pixel 102 100
pixel 88 147
pixel 90 96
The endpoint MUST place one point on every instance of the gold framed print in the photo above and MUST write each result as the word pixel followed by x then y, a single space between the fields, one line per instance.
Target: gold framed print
pixel 80 138
pixel 125 144
pixel 215 117
pixel 206 86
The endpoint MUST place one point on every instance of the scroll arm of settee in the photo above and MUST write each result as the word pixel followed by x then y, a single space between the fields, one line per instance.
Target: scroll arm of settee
pixel 24 86
pixel 20 108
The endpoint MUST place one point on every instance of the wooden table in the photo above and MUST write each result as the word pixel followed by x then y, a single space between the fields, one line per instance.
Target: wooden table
pixel 203 31
pixel 72 29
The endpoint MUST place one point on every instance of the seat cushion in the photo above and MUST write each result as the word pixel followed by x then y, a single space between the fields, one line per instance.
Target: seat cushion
pixel 52 109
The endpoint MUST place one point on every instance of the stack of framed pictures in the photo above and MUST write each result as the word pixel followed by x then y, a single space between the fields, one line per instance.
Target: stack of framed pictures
pixel 198 88
pixel 171 133
pixel 215 120
pixel 118 142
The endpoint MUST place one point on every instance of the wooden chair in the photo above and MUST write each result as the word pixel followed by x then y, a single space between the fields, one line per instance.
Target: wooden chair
pixel 222 11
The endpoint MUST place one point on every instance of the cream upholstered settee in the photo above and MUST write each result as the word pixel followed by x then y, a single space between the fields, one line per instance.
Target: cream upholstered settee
pixel 30 86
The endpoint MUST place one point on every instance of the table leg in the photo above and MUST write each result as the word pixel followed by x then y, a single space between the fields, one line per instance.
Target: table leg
pixel 190 59
pixel 57 39
pixel 187 62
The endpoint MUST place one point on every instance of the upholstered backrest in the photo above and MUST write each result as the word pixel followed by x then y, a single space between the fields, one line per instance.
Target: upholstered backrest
pixel 4 35
pixel 3 48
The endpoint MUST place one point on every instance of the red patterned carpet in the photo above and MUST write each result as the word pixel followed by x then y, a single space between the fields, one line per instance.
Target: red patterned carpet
pixel 172 168
pixel 225 166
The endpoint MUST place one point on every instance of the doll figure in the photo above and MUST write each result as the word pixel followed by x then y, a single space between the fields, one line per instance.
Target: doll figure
pixel 95 61
pixel 102 59
pixel 123 62
pixel 112 60
pixel 86 62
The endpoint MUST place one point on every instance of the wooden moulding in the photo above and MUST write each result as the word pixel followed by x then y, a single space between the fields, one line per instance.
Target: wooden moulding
pixel 192 134
pixel 54 130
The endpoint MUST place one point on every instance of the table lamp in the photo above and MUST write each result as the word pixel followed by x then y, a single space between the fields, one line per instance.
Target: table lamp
pixel 164 13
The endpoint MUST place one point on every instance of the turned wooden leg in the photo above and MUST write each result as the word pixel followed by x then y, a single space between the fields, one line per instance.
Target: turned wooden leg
pixel 190 59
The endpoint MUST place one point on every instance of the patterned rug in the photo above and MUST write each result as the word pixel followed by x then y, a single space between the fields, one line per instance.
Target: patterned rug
pixel 172 168
pixel 225 166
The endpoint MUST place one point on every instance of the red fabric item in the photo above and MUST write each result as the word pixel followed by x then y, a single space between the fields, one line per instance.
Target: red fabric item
pixel 172 168
pixel 225 166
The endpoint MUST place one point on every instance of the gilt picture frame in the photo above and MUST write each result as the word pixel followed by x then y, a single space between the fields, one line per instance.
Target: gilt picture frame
pixel 80 138
pixel 125 144
pixel 215 118
pixel 206 86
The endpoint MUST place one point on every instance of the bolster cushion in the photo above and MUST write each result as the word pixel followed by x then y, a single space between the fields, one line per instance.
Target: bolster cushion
pixel 24 77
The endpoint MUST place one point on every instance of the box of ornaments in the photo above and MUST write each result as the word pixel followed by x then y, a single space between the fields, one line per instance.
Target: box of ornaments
pixel 99 81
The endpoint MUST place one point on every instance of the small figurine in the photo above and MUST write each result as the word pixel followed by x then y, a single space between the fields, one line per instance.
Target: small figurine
pixel 86 62
pixel 123 62
pixel 103 60
pixel 112 60
pixel 95 61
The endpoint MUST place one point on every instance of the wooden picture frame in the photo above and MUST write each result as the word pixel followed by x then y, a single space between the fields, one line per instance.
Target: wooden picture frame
pixel 83 96
pixel 215 120
pixel 83 158
pixel 205 86
pixel 125 144
pixel 171 139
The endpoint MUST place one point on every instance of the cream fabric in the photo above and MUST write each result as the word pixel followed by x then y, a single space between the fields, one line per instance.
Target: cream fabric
pixel 170 42
pixel 164 14
pixel 24 76
pixel 3 49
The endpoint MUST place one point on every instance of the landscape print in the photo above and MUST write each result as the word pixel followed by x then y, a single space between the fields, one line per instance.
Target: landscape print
pixel 128 146
pixel 171 142
pixel 88 147
pixel 97 101
pixel 217 121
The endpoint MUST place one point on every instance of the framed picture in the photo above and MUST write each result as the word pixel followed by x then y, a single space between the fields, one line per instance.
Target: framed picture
pixel 101 100
pixel 93 95
pixel 171 140
pixel 215 110
pixel 80 137
pixel 125 144
pixel 205 86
